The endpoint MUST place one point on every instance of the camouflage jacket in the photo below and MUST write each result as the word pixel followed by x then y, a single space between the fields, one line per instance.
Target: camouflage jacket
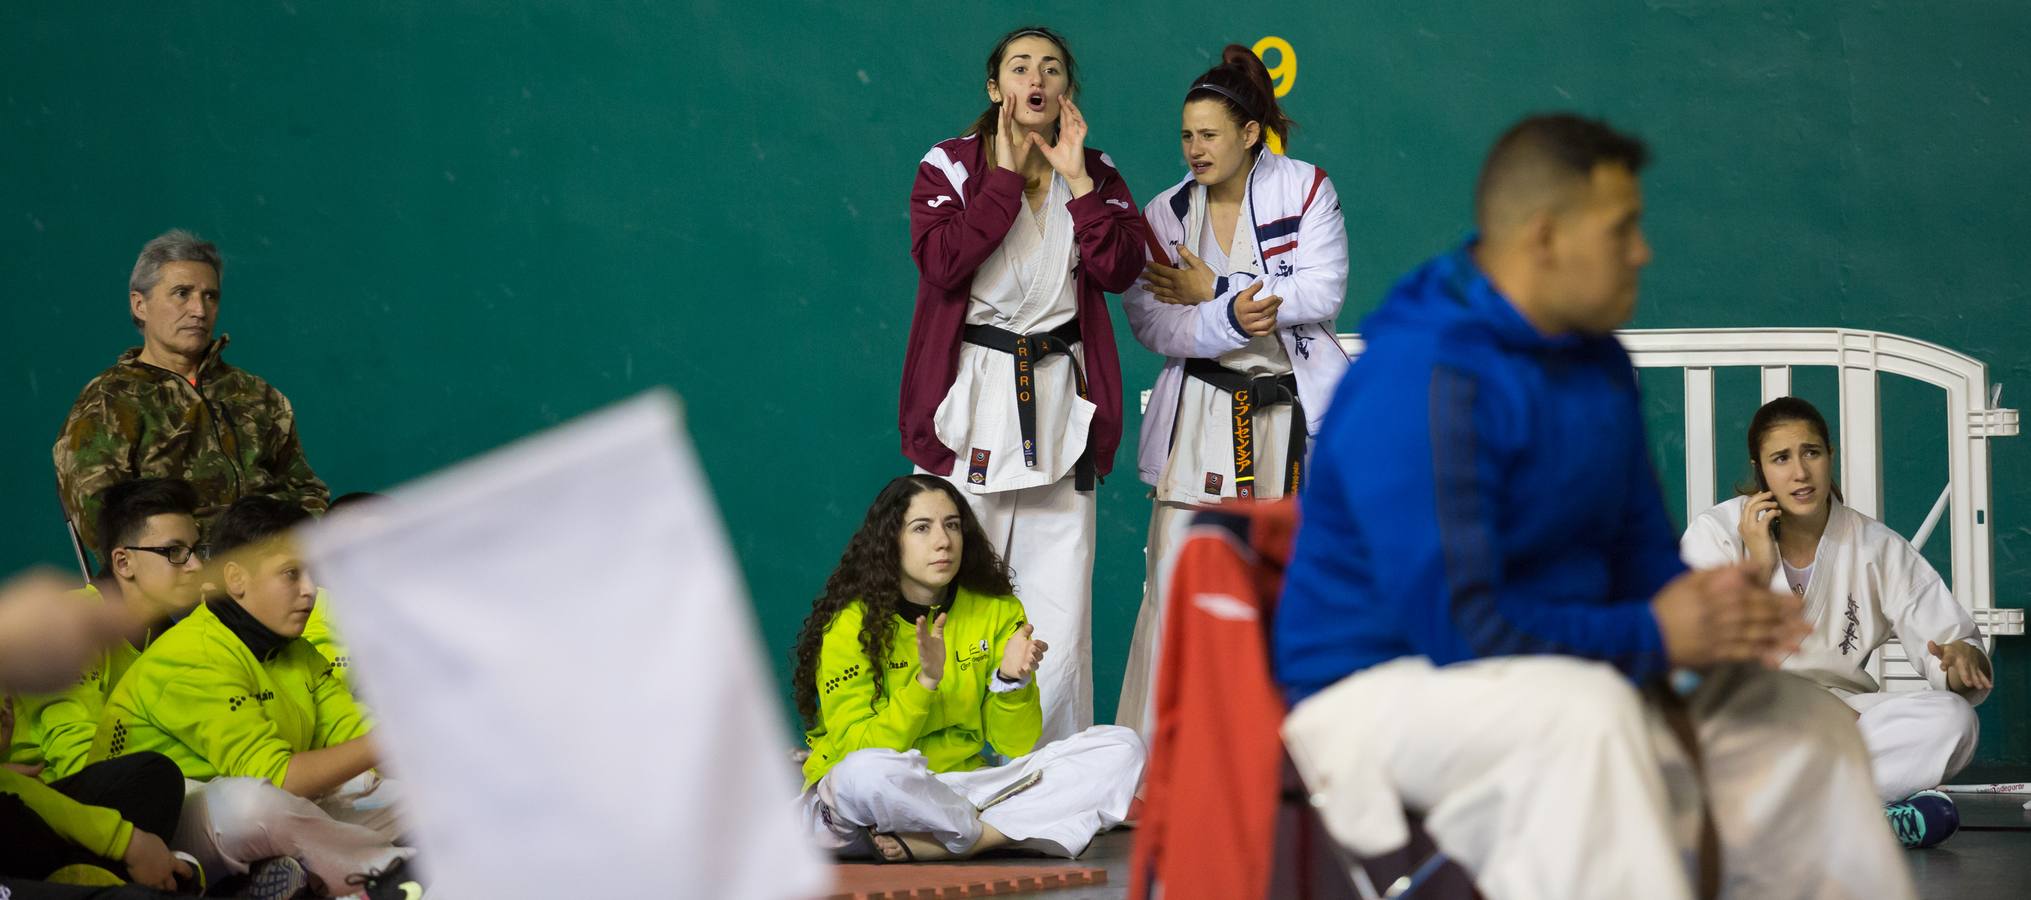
pixel 230 435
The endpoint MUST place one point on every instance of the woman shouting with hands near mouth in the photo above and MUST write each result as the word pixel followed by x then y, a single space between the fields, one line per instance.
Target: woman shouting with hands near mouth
pixel 1861 584
pixel 1242 296
pixel 1011 386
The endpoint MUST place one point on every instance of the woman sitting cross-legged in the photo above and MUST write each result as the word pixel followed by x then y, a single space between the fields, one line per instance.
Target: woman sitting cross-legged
pixel 914 675
pixel 1861 585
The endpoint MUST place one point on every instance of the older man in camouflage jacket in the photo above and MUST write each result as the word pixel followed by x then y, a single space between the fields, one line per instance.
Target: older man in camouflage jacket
pixel 172 408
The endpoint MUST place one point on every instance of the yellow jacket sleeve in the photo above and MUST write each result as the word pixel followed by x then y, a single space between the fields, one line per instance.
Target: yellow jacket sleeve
pixel 339 718
pixel 1013 720
pixel 235 738
pixel 64 725
pixel 94 828
pixel 318 632
pixel 846 687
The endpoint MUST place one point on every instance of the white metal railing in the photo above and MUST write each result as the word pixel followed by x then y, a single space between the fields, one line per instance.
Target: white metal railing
pixel 1858 356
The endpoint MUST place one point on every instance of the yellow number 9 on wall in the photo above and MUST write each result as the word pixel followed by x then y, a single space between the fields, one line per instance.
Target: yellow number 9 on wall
pixel 1283 74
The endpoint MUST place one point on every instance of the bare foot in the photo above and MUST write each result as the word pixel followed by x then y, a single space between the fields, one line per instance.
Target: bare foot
pixel 922 847
pixel 909 848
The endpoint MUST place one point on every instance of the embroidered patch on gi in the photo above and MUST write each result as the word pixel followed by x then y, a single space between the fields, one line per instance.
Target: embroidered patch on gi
pixel 1213 480
pixel 977 471
pixel 1849 638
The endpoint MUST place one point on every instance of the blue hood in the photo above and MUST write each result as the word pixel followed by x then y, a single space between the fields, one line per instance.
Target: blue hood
pixel 1478 489
pixel 1449 294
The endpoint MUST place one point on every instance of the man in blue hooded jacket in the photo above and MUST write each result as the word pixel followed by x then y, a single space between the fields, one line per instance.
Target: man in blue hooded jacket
pixel 1486 597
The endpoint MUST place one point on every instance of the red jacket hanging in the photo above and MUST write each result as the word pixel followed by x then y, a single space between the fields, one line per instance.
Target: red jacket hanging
pixel 1210 789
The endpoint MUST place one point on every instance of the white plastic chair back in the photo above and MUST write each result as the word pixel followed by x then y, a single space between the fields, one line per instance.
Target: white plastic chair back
pixel 1858 356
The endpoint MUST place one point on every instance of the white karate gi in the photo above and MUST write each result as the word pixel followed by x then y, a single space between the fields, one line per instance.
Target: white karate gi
pixel 1042 526
pixel 1088 782
pixel 1186 450
pixel 1553 777
pixel 1867 583
pixel 228 824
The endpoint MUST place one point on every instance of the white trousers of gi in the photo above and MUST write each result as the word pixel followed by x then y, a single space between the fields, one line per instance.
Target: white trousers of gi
pixel 1088 781
pixel 1046 536
pixel 229 824
pixel 1552 777
pixel 1916 739
pixel 1168 524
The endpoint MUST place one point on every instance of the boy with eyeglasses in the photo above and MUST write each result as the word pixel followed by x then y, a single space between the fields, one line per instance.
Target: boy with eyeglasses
pixel 112 819
pixel 153 564
pixel 278 752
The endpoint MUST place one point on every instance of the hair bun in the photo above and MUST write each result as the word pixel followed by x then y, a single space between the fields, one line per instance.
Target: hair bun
pixel 1253 73
pixel 1243 83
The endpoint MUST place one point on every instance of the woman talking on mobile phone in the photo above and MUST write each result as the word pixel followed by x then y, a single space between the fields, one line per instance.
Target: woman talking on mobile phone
pixel 1861 584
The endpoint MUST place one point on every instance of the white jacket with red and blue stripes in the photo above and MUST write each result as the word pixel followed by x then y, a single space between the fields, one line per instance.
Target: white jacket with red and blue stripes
pixel 1301 249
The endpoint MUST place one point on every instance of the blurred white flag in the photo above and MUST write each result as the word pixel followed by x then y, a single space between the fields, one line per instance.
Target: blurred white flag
pixel 564 664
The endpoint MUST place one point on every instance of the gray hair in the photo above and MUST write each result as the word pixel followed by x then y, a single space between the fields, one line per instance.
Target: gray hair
pixel 174 245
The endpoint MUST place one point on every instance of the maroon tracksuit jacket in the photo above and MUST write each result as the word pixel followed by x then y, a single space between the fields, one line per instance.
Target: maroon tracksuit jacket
pixel 953 229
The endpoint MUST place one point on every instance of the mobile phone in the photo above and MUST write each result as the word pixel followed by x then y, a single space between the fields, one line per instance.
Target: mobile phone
pixel 1763 486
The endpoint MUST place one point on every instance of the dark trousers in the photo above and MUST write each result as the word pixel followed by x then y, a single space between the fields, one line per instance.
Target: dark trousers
pixel 144 788
pixel 20 889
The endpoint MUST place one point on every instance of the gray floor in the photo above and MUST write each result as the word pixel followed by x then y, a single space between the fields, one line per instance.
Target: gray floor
pixel 1990 859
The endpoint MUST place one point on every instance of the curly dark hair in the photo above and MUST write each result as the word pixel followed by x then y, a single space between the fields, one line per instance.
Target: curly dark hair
pixel 870 571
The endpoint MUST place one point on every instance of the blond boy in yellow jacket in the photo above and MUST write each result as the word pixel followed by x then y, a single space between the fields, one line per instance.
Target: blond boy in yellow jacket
pixel 247 708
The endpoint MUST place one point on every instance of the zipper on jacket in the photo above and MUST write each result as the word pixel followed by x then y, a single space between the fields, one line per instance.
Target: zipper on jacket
pixel 214 411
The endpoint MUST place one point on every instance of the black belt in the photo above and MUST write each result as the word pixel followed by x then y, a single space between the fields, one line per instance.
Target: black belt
pixel 1027 350
pixel 1247 394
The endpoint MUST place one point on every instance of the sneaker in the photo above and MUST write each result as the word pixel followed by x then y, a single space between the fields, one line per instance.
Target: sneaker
pixel 1924 819
pixel 276 878
pixel 392 883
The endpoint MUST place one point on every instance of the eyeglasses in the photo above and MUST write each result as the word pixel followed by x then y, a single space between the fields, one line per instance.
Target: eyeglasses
pixel 178 554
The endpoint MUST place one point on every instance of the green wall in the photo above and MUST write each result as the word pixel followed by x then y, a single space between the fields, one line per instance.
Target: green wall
pixel 452 224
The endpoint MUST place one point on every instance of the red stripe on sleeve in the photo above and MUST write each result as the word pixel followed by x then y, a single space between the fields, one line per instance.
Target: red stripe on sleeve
pixel 1318 178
